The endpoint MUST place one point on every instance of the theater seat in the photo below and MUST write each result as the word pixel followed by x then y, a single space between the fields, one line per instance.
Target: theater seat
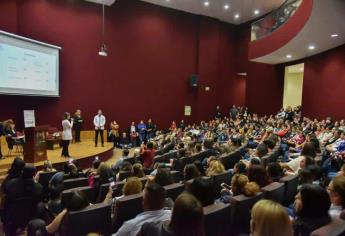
pixel 218 180
pixel 274 191
pixel 291 184
pixel 231 159
pixel 176 175
pixel 124 175
pixel 94 218
pixel 88 191
pixel 127 208
pixel 217 219
pixel 173 190
pixel 75 183
pixel 240 212
pixel 335 228
pixel 45 177
pixel 129 159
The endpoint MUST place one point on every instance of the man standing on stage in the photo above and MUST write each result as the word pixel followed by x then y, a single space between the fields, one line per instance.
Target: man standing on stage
pixel 78 121
pixel 99 123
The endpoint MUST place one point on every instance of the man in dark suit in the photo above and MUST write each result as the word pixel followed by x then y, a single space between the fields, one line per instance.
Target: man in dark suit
pixel 78 121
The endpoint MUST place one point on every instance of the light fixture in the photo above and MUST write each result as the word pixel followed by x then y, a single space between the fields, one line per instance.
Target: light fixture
pixel 226 6
pixel 206 3
pixel 334 35
pixel 256 12
pixel 311 47
pixel 237 16
pixel 104 51
pixel 289 56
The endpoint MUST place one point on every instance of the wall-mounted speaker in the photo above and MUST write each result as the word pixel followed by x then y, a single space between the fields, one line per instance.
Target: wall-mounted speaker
pixel 193 81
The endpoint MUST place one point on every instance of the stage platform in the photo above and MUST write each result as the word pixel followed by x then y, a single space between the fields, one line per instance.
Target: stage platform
pixel 84 152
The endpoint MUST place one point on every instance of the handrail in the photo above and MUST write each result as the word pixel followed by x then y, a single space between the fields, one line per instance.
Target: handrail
pixel 274 20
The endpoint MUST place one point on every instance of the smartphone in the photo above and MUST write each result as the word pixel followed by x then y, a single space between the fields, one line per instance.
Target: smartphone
pixel 224 185
pixel 112 183
pixel 97 158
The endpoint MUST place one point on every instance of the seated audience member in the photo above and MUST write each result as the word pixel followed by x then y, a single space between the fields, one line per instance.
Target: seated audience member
pixel 133 185
pixel 258 174
pixel 240 168
pixel 163 177
pixel 215 168
pixel 93 170
pixel 270 218
pixel 14 172
pixel 176 162
pixel 77 201
pixel 72 171
pixel 312 205
pixel 47 167
pixel 274 171
pixel 148 154
pixel 22 196
pixel 239 185
pixel 138 170
pixel 336 190
pixel 125 170
pixel 124 141
pixel 294 165
pixel 190 172
pixel 305 162
pixel 153 205
pixel 54 203
pixel 202 189
pixel 187 219
pixel 118 165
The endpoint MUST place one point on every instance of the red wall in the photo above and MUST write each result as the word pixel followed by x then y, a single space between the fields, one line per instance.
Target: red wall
pixel 152 52
pixel 324 84
pixel 264 83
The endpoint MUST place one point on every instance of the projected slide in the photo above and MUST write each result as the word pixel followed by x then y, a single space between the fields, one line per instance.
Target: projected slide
pixel 28 68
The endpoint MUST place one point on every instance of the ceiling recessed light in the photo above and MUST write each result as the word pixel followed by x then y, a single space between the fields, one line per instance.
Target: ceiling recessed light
pixel 334 35
pixel 226 6
pixel 311 47
pixel 237 16
pixel 288 56
pixel 206 3
pixel 256 12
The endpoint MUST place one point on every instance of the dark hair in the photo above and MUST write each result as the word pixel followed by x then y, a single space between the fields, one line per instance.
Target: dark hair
pixel 16 168
pixel 29 171
pixel 77 201
pixel 163 177
pixel 308 150
pixel 96 163
pixel 182 152
pixel 315 202
pixel 305 177
pixel 269 143
pixel 255 161
pixel 258 174
pixel 155 196
pixel 125 152
pixel 275 171
pixel 309 161
pixel 338 183
pixel 241 168
pixel 187 216
pixel 149 145
pixel 261 150
pixel 316 172
pixel 202 189
pixel 191 172
pixel 200 167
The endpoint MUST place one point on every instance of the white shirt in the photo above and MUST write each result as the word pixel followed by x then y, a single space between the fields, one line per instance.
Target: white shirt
pixel 99 122
pixel 67 130
pixel 132 227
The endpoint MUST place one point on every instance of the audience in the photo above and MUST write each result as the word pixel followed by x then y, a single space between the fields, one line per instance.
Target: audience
pixel 186 220
pixel 270 218
pixel 202 189
pixel 153 203
pixel 336 190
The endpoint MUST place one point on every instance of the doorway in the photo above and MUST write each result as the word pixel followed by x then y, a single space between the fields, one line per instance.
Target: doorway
pixel 293 85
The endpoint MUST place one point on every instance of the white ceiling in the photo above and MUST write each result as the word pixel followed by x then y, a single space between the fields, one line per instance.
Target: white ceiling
pixel 215 9
pixel 327 18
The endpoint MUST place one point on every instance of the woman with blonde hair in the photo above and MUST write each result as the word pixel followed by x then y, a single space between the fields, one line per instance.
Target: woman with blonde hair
pixel 270 218
pixel 216 167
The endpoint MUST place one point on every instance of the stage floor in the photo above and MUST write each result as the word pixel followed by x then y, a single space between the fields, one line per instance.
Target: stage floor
pixel 84 149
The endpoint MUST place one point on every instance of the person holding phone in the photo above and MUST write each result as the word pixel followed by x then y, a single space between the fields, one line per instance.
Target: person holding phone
pixel 67 124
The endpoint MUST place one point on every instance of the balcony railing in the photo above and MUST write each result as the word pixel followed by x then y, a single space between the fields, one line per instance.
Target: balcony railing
pixel 274 20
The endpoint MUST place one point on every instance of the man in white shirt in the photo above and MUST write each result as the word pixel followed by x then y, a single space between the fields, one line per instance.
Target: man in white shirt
pixel 99 123
pixel 153 205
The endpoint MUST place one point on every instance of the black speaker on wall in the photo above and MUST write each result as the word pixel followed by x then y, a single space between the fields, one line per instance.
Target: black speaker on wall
pixel 193 81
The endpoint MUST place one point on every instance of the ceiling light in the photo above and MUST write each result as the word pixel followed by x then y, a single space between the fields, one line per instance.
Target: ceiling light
pixel 288 56
pixel 311 47
pixel 237 16
pixel 206 3
pixel 226 6
pixel 256 12
pixel 334 35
